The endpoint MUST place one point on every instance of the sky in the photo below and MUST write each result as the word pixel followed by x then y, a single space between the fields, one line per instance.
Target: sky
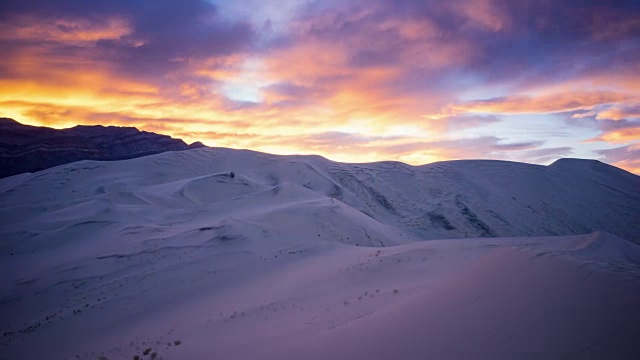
pixel 416 81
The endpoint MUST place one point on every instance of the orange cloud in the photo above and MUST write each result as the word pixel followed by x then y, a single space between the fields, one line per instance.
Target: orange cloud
pixel 483 13
pixel 78 31
pixel 359 81
pixel 332 85
pixel 621 112
pixel 623 135
pixel 545 103
pixel 625 157
pixel 632 165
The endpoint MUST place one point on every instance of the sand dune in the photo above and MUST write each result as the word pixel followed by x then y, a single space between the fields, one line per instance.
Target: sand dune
pixel 299 257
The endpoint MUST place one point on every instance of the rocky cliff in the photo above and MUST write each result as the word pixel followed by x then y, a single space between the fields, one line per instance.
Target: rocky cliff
pixel 26 148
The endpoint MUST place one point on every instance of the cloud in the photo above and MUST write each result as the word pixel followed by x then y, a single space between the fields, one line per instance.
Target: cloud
pixel 363 62
pixel 525 145
pixel 418 151
pixel 144 64
pixel 403 61
pixel 618 131
pixel 137 40
pixel 621 112
pixel 624 135
pixel 342 139
pixel 79 32
pixel 353 80
pixel 547 103
pixel 460 122
pixel 546 155
pixel 625 157
pixel 483 147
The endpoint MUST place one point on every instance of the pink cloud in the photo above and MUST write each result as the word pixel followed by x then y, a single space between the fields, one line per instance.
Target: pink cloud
pixel 545 103
pixel 625 157
pixel 621 112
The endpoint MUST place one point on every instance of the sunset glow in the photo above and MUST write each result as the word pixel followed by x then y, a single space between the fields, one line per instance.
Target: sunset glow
pixel 354 81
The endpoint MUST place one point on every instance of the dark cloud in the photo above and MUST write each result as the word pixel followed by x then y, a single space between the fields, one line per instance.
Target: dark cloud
pixel 159 32
pixel 611 125
pixel 522 42
pixel 375 66
pixel 550 41
pixel 525 145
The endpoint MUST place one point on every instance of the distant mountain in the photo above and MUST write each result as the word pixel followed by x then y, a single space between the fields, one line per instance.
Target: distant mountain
pixel 25 148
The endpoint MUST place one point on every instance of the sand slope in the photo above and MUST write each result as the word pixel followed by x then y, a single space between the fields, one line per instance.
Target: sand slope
pixel 299 257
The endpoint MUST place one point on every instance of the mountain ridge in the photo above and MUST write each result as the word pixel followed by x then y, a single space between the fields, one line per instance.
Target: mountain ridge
pixel 25 148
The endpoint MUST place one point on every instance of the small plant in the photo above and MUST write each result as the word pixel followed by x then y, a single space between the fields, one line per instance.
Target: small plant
pixel 395 291
pixel 146 351
pixel 177 342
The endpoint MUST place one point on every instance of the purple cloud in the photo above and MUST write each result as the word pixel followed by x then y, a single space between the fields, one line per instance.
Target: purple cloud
pixel 162 36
